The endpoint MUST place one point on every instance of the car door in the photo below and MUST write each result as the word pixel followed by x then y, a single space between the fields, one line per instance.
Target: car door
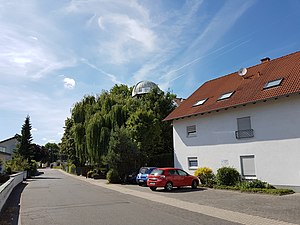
pixel 173 177
pixel 184 178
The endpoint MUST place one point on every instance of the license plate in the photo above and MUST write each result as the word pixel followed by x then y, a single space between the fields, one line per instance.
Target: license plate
pixel 152 183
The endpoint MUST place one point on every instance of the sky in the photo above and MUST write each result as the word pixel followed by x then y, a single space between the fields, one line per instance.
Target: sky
pixel 54 52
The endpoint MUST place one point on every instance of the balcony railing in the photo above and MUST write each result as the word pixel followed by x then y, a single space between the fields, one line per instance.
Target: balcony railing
pixel 239 134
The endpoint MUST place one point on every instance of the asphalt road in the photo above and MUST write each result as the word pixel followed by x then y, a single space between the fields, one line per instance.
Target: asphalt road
pixel 58 199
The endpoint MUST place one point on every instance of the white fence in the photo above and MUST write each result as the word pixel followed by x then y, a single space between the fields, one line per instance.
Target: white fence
pixel 8 186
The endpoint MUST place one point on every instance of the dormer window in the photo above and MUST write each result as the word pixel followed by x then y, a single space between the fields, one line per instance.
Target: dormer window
pixel 273 83
pixel 200 102
pixel 226 95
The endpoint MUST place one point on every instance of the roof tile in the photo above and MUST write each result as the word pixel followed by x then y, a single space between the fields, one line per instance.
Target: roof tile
pixel 247 88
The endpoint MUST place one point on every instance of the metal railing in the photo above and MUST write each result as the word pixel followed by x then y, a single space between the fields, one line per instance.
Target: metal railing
pixel 239 134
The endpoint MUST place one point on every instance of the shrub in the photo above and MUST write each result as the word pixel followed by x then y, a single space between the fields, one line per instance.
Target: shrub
pixel 72 169
pixel 227 176
pixel 113 176
pixel 255 184
pixel 3 178
pixel 205 175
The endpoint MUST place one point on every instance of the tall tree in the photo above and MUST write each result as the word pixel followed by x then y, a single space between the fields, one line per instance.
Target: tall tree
pixel 25 148
pixel 53 150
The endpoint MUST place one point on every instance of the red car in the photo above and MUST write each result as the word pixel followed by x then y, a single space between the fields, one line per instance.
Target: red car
pixel 171 177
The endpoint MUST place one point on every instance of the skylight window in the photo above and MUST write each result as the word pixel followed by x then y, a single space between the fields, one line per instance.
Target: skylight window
pixel 226 95
pixel 201 102
pixel 273 83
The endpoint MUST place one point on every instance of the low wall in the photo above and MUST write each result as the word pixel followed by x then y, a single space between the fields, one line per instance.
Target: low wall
pixel 8 186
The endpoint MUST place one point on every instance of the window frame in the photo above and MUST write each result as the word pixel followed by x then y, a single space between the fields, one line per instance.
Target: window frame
pixel 191 133
pixel 200 102
pixel 273 83
pixel 244 133
pixel 247 176
pixel 192 159
pixel 226 95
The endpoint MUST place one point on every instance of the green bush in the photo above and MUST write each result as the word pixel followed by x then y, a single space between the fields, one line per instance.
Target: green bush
pixel 3 178
pixel 205 175
pixel 255 184
pixel 32 168
pixel 113 176
pixel 227 176
pixel 72 169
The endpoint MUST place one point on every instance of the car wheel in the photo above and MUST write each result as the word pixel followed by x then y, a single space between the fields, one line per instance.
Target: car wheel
pixel 153 188
pixel 194 184
pixel 169 186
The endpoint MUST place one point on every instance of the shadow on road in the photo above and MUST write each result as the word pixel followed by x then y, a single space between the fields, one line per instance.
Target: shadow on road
pixel 181 190
pixel 44 178
pixel 10 213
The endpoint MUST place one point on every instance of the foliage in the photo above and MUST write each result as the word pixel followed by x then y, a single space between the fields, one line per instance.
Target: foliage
pixel 205 175
pixel 227 176
pixel 72 169
pixel 113 176
pixel 53 151
pixel 17 163
pixel 32 168
pixel 254 184
pixel 3 178
pixel 270 191
pixel 24 147
pixel 122 152
pixel 40 153
pixel 94 119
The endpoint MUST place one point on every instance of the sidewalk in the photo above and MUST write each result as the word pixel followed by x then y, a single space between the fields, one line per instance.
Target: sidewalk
pixel 250 209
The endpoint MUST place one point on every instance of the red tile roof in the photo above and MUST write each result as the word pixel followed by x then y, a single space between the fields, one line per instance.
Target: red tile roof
pixel 248 88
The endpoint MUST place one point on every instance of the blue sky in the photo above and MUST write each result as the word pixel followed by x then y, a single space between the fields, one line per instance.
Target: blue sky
pixel 53 52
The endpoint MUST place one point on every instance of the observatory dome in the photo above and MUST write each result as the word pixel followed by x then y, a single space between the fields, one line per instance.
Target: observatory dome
pixel 143 87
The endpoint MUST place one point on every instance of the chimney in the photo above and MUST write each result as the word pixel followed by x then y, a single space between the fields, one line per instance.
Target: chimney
pixel 266 59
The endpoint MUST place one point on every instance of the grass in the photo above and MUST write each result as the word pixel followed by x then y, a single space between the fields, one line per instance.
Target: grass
pixel 257 190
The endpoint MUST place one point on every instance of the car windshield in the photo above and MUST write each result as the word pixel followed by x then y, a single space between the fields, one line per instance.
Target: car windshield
pixel 145 170
pixel 157 172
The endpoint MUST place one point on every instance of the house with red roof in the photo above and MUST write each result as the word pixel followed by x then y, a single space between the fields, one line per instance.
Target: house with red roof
pixel 249 119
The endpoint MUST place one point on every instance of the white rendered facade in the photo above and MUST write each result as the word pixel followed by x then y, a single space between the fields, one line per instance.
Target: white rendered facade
pixel 274 150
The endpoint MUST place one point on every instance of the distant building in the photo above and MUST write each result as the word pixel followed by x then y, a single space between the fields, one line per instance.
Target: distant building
pixel 248 120
pixel 143 87
pixel 7 148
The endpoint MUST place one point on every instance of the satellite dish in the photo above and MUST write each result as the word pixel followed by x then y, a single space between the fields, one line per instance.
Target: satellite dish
pixel 242 71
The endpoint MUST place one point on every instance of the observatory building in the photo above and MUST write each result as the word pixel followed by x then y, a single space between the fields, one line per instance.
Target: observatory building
pixel 143 87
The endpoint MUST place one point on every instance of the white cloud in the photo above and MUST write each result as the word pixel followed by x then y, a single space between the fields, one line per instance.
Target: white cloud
pixel 69 83
pixel 34 129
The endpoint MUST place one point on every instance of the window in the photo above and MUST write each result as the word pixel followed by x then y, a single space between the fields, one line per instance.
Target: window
pixel 273 83
pixel 2 149
pixel 201 102
pixel 248 166
pixel 181 173
pixel 193 162
pixel 191 131
pixel 226 95
pixel 244 128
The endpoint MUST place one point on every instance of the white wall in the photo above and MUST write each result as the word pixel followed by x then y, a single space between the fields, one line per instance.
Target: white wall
pixel 275 145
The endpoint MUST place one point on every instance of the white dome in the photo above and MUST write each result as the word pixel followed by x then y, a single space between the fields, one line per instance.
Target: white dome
pixel 143 87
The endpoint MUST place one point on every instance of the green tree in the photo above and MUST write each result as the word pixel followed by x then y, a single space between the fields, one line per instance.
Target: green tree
pixel 25 148
pixel 122 153
pixel 67 147
pixel 53 150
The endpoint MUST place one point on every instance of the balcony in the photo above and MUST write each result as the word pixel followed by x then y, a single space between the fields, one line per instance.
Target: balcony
pixel 239 134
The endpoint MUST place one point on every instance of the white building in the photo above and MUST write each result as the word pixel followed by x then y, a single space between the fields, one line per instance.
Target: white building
pixel 7 147
pixel 249 120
